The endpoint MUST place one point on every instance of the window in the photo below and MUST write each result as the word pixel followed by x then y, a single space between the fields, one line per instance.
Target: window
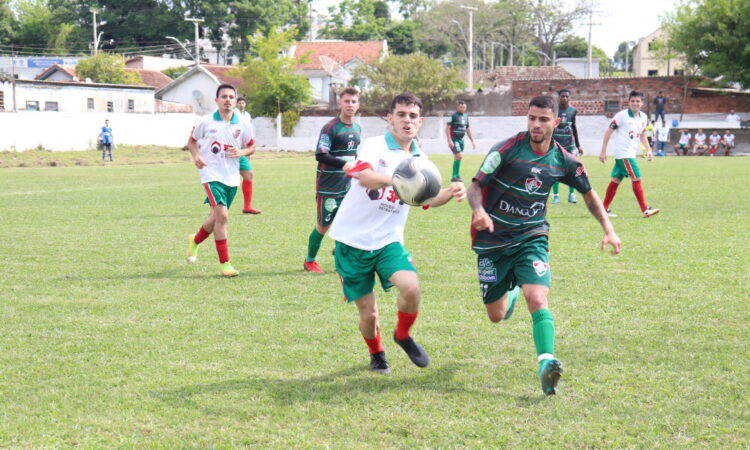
pixel 653 73
pixel 90 104
pixel 611 106
pixel 32 106
pixel 110 107
pixel 679 72
pixel 50 106
pixel 131 105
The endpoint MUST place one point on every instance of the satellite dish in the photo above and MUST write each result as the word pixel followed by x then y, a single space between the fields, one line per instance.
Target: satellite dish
pixel 334 69
pixel 198 95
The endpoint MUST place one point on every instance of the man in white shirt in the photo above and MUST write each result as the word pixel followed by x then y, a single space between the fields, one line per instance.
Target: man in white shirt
pixel 699 142
pixel 733 116
pixel 662 138
pixel 728 142
pixel 713 142
pixel 216 144
pixel 369 231
pixel 683 143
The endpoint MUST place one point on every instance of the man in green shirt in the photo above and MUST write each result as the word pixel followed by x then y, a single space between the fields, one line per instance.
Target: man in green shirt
pixel 455 130
pixel 508 198
pixel 566 134
pixel 336 152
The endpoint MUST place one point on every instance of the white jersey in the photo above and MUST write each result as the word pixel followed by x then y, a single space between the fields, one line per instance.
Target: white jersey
pixel 729 139
pixel 714 139
pixel 370 220
pixel 685 138
pixel 662 134
pixel 215 137
pixel 628 130
pixel 700 139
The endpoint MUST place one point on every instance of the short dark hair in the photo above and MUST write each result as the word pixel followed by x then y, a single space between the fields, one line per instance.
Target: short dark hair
pixel 406 98
pixel 545 102
pixel 241 98
pixel 461 102
pixel 635 94
pixel 349 91
pixel 225 86
pixel 560 92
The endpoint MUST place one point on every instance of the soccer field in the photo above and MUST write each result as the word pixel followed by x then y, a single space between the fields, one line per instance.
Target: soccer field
pixel 109 339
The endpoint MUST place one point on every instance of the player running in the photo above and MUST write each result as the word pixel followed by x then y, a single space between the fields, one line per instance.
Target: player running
pixel 457 127
pixel 369 232
pixel 628 126
pixel 508 198
pixel 216 143
pixel 335 153
pixel 246 169
pixel 566 134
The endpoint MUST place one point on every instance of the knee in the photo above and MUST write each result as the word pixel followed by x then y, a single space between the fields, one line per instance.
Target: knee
pixel 496 316
pixel 536 301
pixel 410 293
pixel 459 156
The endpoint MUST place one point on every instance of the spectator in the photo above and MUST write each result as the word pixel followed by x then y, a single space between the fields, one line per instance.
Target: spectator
pixel 662 138
pixel 733 116
pixel 659 103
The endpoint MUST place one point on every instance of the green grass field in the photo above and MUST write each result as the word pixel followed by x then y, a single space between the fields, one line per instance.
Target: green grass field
pixel 108 339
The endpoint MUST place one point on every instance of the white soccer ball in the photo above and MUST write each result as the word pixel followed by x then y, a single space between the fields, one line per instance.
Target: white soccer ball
pixel 416 181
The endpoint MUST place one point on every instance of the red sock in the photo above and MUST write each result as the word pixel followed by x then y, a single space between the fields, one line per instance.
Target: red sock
pixel 638 191
pixel 404 323
pixel 610 195
pixel 374 344
pixel 247 192
pixel 223 250
pixel 712 151
pixel 201 235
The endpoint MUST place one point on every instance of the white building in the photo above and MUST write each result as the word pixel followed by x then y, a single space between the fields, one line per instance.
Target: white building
pixel 197 87
pixel 579 66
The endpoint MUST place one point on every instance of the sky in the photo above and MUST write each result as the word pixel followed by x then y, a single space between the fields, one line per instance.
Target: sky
pixel 616 24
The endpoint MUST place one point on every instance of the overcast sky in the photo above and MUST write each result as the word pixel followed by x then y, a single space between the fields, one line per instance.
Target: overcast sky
pixel 617 23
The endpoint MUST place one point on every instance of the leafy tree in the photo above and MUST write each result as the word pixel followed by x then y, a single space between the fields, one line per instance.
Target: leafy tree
pixel 175 72
pixel 425 77
pixel 713 35
pixel 35 26
pixel 106 68
pixel 357 20
pixel 553 23
pixel 624 56
pixel 409 8
pixel 403 37
pixel 7 22
pixel 578 47
pixel 271 78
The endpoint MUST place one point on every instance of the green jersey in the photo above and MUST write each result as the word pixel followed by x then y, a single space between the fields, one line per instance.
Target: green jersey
pixel 459 123
pixel 339 140
pixel 515 184
pixel 566 132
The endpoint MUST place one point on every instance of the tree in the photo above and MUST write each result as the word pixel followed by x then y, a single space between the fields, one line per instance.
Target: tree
pixel 553 23
pixel 357 20
pixel 272 79
pixel 7 22
pixel 419 74
pixel 106 68
pixel 713 35
pixel 403 37
pixel 578 47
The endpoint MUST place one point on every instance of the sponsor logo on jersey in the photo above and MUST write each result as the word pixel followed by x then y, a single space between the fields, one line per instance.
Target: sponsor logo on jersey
pixel 487 271
pixel 533 185
pixel 540 267
pixel 536 170
pixel 215 147
pixel 531 211
pixel 580 170
pixel 491 162
pixel 325 142
pixel 330 204
pixel 350 144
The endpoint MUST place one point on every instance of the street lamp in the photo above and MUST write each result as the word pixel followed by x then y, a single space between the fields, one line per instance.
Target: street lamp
pixel 546 58
pixel 181 45
pixel 470 74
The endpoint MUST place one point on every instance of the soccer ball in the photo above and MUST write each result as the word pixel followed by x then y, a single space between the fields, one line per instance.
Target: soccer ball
pixel 416 181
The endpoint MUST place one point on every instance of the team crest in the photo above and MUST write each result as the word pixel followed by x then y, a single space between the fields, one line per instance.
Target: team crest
pixel 330 204
pixel 533 185
pixel 580 171
pixel 540 267
pixel 215 147
pixel 491 162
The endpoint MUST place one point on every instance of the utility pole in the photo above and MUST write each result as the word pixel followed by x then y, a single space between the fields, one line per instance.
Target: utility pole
pixel 470 76
pixel 96 38
pixel 13 74
pixel 589 59
pixel 197 50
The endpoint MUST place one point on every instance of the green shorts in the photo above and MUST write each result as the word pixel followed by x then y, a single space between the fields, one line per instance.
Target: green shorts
pixel 327 208
pixel 626 167
pixel 245 164
pixel 501 271
pixel 219 193
pixel 357 267
pixel 458 145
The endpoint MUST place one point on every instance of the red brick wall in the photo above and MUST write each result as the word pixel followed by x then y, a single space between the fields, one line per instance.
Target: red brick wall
pixel 588 95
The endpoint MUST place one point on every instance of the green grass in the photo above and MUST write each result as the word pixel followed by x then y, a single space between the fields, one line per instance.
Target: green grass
pixel 108 339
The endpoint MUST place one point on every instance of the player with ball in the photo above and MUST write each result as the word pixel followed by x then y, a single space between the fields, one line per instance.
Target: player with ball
pixel 369 228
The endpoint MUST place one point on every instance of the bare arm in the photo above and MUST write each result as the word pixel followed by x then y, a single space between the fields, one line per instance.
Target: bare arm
pixel 595 206
pixel 605 142
pixel 373 180
pixel 471 138
pixel 448 135
pixel 647 146
pixel 194 153
pixel 480 220
pixel 456 190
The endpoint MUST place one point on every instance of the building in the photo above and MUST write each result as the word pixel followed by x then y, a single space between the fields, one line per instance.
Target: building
pixel 197 87
pixel 331 63
pixel 57 72
pixel 28 67
pixel 647 63
pixel 579 67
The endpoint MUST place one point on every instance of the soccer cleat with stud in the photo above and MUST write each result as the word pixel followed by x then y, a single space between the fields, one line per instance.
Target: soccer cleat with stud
pixel 415 351
pixel 550 371
pixel 650 212
pixel 459 179
pixel 572 198
pixel 192 254
pixel 312 266
pixel 379 364
pixel 227 270
pixel 512 298
pixel 555 199
pixel 611 214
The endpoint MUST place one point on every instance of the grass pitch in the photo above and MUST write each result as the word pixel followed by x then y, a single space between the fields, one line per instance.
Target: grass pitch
pixel 108 339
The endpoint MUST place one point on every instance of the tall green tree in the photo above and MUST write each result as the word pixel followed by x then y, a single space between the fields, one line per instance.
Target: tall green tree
pixel 357 20
pixel 106 68
pixel 713 35
pixel 272 79
pixel 7 22
pixel 426 77
pixel 578 47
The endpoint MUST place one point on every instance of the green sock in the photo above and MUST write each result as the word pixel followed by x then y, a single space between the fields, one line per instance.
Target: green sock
pixel 544 332
pixel 556 188
pixel 456 167
pixel 313 244
pixel 571 190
